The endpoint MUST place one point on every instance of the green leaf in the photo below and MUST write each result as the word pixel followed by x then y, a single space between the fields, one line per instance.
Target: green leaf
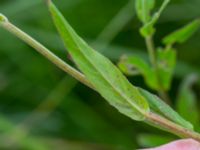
pixel 127 68
pixel 105 77
pixel 182 34
pixel 166 63
pixel 148 28
pixel 143 9
pixel 159 106
pixel 129 64
pixel 187 100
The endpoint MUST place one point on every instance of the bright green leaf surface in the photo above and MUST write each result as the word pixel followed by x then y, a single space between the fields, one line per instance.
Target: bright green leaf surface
pixel 127 68
pixel 148 28
pixel 143 8
pixel 142 66
pixel 104 76
pixel 159 106
pixel 166 64
pixel 182 34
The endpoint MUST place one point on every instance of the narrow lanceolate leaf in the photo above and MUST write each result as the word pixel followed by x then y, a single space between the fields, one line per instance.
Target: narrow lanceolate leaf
pixel 182 34
pixel 143 9
pixel 159 106
pixel 104 76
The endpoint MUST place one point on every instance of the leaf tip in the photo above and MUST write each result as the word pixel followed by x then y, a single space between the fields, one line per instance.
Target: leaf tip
pixel 3 18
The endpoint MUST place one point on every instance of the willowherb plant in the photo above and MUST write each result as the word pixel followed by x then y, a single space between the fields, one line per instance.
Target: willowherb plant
pixel 100 74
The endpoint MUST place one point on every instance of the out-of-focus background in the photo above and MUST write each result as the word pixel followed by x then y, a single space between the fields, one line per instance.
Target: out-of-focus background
pixel 42 108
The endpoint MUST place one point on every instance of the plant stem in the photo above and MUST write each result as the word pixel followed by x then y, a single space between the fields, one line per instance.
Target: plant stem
pixel 151 117
pixel 153 60
pixel 156 16
pixel 152 55
pixel 43 50
pixel 172 127
pixel 151 51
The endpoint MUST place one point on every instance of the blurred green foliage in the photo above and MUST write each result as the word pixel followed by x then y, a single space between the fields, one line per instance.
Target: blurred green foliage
pixel 42 108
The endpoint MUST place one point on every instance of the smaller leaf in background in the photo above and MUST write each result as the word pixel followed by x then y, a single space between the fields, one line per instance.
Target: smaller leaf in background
pixel 182 34
pixel 129 64
pixel 101 72
pixel 127 68
pixel 187 101
pixel 143 9
pixel 157 105
pixel 166 63
pixel 152 140
pixel 148 28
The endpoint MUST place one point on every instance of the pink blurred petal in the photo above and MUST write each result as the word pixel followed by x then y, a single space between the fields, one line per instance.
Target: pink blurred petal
pixel 187 144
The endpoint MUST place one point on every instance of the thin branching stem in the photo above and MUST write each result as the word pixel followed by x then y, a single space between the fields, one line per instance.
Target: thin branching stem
pixel 153 60
pixel 151 117
pixel 172 127
pixel 151 51
pixel 152 54
pixel 43 50
pixel 156 16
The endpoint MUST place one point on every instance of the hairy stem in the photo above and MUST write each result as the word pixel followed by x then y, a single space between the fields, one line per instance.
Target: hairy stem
pixel 43 50
pixel 172 127
pixel 151 117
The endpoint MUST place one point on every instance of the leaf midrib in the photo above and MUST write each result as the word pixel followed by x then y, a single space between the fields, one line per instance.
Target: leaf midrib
pixel 115 89
pixel 74 35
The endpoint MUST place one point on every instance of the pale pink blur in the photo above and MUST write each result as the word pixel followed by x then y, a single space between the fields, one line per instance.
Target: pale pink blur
pixel 186 144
